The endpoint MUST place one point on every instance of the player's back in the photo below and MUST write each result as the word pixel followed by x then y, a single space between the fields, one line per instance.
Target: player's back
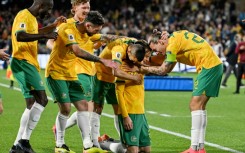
pixel 116 51
pixel 191 49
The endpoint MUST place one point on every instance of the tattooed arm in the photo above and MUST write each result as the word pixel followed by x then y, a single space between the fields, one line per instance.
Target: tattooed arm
pixel 165 68
pixel 109 38
pixel 89 57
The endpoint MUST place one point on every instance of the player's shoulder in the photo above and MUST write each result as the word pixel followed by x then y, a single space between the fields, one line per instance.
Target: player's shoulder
pixel 66 26
pixel 71 20
pixel 22 15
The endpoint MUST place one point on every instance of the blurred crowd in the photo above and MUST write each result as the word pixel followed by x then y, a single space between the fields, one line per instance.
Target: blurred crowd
pixel 217 21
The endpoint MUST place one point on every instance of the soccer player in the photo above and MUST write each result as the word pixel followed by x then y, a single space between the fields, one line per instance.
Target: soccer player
pixel 25 67
pixel 132 120
pixel 130 98
pixel 118 50
pixel 62 79
pixel 189 48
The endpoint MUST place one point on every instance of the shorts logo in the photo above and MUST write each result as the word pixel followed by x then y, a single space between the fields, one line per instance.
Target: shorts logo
pixel 63 96
pixel 133 138
pixel 118 55
pixel 41 83
pixel 22 25
pixel 71 37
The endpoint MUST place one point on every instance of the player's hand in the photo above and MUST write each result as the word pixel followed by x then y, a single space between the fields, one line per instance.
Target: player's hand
pixel 4 56
pixel 127 123
pixel 164 35
pixel 143 70
pixel 59 20
pixel 138 79
pixel 243 20
pixel 52 35
pixel 109 63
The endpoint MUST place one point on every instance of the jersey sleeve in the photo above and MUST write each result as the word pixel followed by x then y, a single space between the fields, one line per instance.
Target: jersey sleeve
pixel 22 25
pixel 120 86
pixel 118 53
pixel 69 37
pixel 95 37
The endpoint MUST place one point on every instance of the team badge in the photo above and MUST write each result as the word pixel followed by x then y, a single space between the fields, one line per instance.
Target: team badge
pixel 133 138
pixel 70 37
pixel 118 55
pixel 22 25
pixel 63 96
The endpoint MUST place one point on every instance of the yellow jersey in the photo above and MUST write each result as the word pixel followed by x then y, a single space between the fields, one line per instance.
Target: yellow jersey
pixel 25 21
pixel 130 97
pixel 61 65
pixel 116 51
pixel 189 48
pixel 84 66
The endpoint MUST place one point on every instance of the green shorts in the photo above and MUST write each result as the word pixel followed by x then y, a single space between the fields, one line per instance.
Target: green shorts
pixel 65 91
pixel 104 90
pixel 27 77
pixel 87 85
pixel 139 135
pixel 208 81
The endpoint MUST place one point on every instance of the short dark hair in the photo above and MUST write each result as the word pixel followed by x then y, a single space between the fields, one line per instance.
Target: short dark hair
pixel 144 44
pixel 95 18
pixel 154 37
pixel 139 51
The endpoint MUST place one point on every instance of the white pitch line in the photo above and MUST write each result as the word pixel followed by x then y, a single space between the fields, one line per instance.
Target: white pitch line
pixel 165 115
pixel 159 129
pixel 168 115
pixel 151 112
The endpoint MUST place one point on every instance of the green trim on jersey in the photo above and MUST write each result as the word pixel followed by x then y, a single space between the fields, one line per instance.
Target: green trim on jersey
pixel 115 60
pixel 71 44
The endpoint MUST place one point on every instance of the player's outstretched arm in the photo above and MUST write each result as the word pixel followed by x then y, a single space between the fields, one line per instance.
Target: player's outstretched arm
pixel 89 57
pixel 165 68
pixel 22 36
pixel 50 28
pixel 4 56
pixel 107 38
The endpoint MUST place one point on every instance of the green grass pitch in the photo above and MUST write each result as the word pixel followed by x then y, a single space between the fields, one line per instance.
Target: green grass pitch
pixel 167 113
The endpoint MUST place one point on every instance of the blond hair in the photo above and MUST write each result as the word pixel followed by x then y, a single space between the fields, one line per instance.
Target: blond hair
pixel 77 2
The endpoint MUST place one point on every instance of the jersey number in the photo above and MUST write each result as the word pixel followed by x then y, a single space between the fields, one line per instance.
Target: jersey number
pixel 194 38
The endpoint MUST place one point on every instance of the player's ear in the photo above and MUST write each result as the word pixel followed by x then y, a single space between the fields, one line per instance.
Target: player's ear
pixel 129 49
pixel 87 24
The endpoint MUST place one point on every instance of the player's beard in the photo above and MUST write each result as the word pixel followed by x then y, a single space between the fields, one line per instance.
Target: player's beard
pixel 89 33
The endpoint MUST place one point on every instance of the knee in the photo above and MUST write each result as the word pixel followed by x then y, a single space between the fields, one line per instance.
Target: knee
pixel 44 101
pixel 98 109
pixel 194 106
pixel 65 111
pixel 132 150
pixel 145 149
